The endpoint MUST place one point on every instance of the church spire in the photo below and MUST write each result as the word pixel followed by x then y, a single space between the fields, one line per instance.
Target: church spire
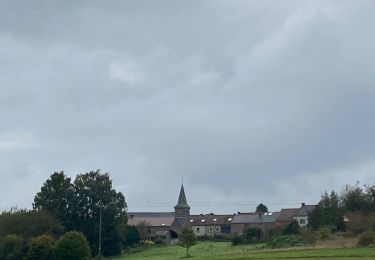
pixel 182 203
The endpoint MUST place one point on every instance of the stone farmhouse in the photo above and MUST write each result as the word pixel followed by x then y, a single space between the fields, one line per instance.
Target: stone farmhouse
pixel 168 225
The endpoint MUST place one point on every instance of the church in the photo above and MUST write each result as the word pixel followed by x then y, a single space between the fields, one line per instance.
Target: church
pixel 166 225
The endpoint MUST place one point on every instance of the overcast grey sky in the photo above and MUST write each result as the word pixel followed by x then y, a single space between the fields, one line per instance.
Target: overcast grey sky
pixel 250 101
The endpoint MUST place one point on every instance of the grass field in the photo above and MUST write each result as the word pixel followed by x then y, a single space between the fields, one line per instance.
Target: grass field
pixel 224 250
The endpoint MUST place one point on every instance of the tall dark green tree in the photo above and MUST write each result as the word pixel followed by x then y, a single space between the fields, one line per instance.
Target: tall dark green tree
pixel 328 213
pixel 57 197
pixel 78 205
pixel 261 208
pixel 94 192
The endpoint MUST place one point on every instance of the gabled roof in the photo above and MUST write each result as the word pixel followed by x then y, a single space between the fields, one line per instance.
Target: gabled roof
pixel 305 210
pixel 182 202
pixel 287 215
pixel 153 219
pixel 255 218
pixel 209 220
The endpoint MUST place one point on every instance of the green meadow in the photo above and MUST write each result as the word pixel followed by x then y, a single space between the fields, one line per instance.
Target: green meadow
pixel 224 250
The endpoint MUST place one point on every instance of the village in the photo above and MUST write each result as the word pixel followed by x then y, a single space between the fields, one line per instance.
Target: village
pixel 168 225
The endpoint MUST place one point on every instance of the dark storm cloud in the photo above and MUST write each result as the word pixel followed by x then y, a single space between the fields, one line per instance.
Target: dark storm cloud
pixel 251 102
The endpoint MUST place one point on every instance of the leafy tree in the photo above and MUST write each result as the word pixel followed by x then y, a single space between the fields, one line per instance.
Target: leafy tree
pixel 261 208
pixel 12 247
pixel 40 248
pixel 253 235
pixel 72 246
pixel 77 205
pixel 292 228
pixel 57 197
pixel 187 239
pixel 29 223
pixel 93 190
pixel 327 213
pixel 132 236
pixel 354 198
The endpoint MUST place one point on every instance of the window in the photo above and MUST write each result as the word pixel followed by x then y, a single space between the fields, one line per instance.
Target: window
pixel 210 229
pixel 197 229
pixel 225 229
pixel 217 229
pixel 302 221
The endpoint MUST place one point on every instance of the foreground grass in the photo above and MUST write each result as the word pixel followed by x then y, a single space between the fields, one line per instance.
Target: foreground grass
pixel 225 251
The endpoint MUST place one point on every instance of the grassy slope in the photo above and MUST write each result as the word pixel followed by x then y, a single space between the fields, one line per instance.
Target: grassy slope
pixel 222 250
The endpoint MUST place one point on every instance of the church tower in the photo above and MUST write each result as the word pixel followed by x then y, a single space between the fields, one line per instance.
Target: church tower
pixel 182 209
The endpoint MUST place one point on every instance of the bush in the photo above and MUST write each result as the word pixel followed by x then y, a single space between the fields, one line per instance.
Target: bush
pixel 307 235
pixel 253 235
pixel 324 233
pixel 285 241
pixel 72 246
pixel 292 228
pixel 366 239
pixel 237 240
pixel 12 247
pixel 132 236
pixel 40 248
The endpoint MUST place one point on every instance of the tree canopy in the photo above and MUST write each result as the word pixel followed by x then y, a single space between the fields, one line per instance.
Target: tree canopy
pixel 77 205
pixel 261 208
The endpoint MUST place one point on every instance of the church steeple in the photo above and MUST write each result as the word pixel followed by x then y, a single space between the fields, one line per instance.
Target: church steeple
pixel 182 209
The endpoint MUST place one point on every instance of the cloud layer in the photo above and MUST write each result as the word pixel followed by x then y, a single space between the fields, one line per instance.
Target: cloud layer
pixel 250 101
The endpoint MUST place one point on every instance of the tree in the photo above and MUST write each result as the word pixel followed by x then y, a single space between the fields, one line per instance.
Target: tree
pixel 77 205
pixel 132 236
pixel 261 208
pixel 93 190
pixel 327 213
pixel 29 223
pixel 12 247
pixel 187 239
pixel 40 248
pixel 57 197
pixel 72 246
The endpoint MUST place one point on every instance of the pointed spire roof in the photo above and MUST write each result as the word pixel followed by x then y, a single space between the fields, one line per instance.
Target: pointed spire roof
pixel 182 203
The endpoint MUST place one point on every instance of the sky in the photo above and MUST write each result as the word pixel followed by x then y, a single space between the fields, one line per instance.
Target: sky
pixel 247 101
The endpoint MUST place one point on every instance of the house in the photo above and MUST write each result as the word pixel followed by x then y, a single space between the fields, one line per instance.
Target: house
pixel 264 221
pixel 302 215
pixel 210 224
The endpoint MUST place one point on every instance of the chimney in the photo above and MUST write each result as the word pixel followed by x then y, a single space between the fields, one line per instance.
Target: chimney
pixel 303 204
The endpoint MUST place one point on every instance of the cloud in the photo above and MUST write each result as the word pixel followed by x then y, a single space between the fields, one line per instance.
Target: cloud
pixel 124 72
pixel 250 102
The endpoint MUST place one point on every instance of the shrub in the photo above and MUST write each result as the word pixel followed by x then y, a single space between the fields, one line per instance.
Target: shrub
pixel 132 236
pixel 72 246
pixel 253 235
pixel 40 248
pixel 285 241
pixel 366 239
pixel 307 235
pixel 292 228
pixel 237 240
pixel 324 233
pixel 12 247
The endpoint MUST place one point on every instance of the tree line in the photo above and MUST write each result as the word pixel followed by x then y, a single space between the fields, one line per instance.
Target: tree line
pixel 66 206
pixel 351 210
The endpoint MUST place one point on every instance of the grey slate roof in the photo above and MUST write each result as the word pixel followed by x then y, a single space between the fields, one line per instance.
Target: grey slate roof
pixel 287 215
pixel 305 210
pixel 182 202
pixel 255 218
pixel 209 220
pixel 155 219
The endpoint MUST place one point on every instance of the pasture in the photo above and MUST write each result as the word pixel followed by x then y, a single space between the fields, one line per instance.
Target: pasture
pixel 225 251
